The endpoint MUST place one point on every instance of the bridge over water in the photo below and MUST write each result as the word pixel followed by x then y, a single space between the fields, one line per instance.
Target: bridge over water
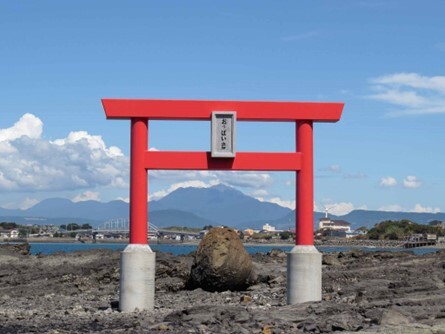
pixel 121 226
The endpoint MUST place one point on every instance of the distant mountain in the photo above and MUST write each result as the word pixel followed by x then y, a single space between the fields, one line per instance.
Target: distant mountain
pixel 48 221
pixel 221 204
pixel 196 207
pixel 58 207
pixel 167 218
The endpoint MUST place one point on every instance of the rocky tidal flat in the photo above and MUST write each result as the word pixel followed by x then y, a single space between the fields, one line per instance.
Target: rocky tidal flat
pixel 365 292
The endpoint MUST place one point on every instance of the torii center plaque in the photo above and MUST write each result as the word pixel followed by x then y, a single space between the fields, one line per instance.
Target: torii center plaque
pixel 223 134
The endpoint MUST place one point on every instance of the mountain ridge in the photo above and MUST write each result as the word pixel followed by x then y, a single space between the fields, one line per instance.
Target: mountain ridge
pixel 217 205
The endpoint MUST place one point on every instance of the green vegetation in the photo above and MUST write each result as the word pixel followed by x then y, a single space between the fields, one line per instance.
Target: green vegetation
pixel 286 235
pixel 74 227
pixel 183 229
pixel 26 230
pixel 398 230
pixel 8 226
pixel 261 236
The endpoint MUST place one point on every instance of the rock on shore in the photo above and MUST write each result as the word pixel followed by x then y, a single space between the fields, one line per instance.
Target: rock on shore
pixel 221 263
pixel 364 292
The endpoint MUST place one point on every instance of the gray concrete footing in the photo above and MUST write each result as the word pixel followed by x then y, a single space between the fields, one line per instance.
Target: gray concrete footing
pixel 137 278
pixel 303 275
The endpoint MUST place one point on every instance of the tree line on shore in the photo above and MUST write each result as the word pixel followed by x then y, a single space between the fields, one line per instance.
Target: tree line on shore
pixel 399 230
pixel 385 230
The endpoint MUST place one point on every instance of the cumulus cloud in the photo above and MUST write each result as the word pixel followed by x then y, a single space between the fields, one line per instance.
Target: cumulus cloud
pixel 123 199
pixel 195 184
pixel 411 93
pixel 411 182
pixel 236 179
pixel 28 125
pixel 388 181
pixel 87 196
pixel 259 193
pixel 81 160
pixel 281 202
pixel 277 200
pixel 28 203
pixel 339 209
pixel 421 209
pixel 418 208
pixel 391 208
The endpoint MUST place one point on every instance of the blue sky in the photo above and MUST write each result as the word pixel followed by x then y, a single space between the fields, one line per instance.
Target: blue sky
pixel 383 59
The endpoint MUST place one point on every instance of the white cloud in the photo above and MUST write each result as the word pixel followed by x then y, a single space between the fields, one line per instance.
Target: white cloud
pixel 338 209
pixel 196 184
pixel 236 179
pixel 417 208
pixel 94 143
pixel 259 193
pixel 123 199
pixel 388 181
pixel 78 161
pixel 412 93
pixel 421 209
pixel 391 208
pixel 28 203
pixel 281 202
pixel 22 204
pixel 87 196
pixel 413 80
pixel 278 201
pixel 411 182
pixel 28 125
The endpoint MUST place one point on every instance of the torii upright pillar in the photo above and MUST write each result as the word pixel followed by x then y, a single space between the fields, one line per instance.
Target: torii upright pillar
pixel 137 262
pixel 304 260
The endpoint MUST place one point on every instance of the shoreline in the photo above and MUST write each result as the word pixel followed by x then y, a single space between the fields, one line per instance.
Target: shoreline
pixel 325 243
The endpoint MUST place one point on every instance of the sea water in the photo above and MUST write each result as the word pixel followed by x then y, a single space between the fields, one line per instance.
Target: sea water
pixel 183 249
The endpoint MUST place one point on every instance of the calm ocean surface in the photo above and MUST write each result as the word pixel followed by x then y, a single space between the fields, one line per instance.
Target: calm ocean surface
pixel 49 248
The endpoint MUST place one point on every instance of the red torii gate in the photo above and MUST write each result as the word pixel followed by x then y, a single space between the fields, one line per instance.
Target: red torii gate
pixel 301 161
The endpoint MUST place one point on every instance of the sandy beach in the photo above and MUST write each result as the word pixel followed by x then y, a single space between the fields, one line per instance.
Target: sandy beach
pixel 382 292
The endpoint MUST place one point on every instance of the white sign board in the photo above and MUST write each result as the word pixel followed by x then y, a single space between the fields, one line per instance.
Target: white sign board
pixel 223 134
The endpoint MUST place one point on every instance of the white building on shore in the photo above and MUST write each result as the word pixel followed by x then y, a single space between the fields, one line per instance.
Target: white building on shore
pixel 336 225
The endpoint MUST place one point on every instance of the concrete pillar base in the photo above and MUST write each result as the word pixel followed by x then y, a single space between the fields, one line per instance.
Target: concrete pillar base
pixel 137 278
pixel 303 275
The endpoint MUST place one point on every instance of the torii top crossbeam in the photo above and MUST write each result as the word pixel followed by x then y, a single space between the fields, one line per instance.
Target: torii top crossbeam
pixel 301 161
pixel 202 110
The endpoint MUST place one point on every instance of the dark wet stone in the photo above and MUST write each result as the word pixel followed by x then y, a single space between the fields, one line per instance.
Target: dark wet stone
pixel 221 263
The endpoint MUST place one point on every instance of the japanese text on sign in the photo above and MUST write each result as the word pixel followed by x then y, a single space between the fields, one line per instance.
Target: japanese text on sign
pixel 223 134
